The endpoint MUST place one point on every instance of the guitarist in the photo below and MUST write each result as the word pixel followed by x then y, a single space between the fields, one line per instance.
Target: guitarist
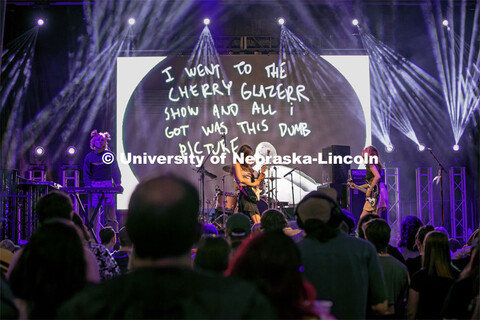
pixel 373 183
pixel 244 177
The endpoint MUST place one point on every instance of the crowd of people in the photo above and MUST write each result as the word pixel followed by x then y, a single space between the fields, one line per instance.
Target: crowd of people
pixel 165 264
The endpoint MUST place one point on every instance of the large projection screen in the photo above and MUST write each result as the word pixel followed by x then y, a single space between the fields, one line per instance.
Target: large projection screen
pixel 177 105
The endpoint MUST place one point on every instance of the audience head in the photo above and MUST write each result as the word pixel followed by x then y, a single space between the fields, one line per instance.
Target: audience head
pixel 436 259
pixel 348 222
pixel 107 237
pixel 377 231
pixel 420 236
pixel 256 228
pixel 8 244
pixel 212 254
pixel 78 221
pixel 442 229
pixel 408 229
pixel 237 229
pixel 51 268
pixel 319 215
pixel 273 220
pixel 471 239
pixel 54 205
pixel 209 230
pixel 162 218
pixel 272 261
pixel 366 218
pixel 123 238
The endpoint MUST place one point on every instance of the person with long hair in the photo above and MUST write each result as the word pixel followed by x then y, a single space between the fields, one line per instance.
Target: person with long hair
pixel 430 285
pixel 51 269
pixel 408 232
pixel 462 300
pixel 272 261
pixel 376 189
pixel 244 177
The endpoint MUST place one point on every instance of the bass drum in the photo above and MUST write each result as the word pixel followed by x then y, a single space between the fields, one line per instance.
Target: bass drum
pixel 262 206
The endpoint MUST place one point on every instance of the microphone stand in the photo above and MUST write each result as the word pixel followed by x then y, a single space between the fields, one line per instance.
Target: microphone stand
pixel 201 170
pixel 440 173
pixel 291 181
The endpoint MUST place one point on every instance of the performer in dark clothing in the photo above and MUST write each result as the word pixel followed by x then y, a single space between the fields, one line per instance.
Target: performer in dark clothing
pixel 244 177
pixel 100 169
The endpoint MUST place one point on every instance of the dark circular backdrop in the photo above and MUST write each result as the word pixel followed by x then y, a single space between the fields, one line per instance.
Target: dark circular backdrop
pixel 334 114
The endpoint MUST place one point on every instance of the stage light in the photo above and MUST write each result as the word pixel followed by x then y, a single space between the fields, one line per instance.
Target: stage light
pixel 39 151
pixel 40 22
pixel 445 23
pixel 71 151
pixel 131 21
pixel 355 22
pixel 206 21
pixel 421 147
pixel 456 147
pixel 281 21
pixel 389 148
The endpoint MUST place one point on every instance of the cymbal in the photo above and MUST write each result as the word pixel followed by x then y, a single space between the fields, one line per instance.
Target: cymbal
pixel 210 175
pixel 206 172
pixel 227 169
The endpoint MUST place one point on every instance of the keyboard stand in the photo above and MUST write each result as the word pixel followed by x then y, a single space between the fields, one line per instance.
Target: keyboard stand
pixel 89 221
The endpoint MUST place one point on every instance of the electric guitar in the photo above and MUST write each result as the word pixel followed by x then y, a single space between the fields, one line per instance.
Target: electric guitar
pixel 254 192
pixel 373 195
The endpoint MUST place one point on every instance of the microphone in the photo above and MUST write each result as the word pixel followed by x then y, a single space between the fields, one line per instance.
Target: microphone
pixel 290 172
pixel 428 149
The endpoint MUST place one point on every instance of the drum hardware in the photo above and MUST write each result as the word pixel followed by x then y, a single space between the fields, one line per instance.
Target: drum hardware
pixel 204 172
pixel 291 181
pixel 227 169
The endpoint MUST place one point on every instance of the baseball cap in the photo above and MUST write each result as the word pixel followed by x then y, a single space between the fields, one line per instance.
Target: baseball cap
pixel 238 225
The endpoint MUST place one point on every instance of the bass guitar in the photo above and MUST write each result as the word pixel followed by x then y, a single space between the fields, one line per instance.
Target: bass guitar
pixel 373 195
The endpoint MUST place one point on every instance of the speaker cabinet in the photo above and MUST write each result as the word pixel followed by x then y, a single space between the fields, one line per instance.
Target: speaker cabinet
pixel 335 173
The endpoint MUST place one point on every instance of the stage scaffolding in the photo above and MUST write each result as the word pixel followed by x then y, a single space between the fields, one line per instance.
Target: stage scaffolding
pixel 458 204
pixel 425 196
pixel 394 217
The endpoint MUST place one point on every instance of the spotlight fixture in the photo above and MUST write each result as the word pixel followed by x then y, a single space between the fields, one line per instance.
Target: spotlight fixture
pixel 206 21
pixel 71 151
pixel 131 21
pixel 281 21
pixel 39 151
pixel 456 147
pixel 40 22
pixel 445 23
pixel 355 22
pixel 389 148
pixel 421 147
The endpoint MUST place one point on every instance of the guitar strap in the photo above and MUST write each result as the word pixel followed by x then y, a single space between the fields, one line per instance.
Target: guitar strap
pixel 238 183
